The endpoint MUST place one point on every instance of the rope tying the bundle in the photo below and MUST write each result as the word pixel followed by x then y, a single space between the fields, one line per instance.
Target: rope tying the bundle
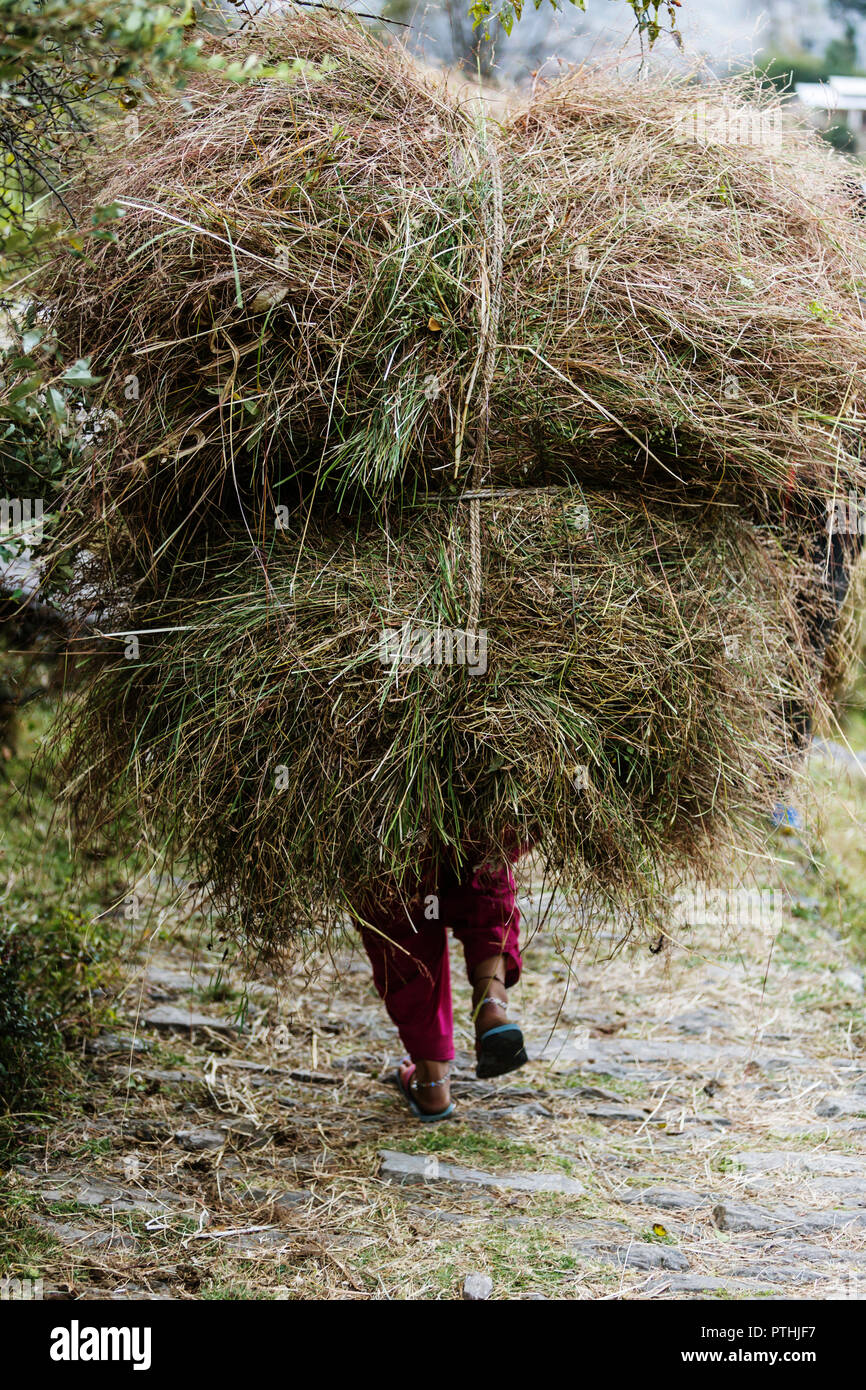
pixel 489 305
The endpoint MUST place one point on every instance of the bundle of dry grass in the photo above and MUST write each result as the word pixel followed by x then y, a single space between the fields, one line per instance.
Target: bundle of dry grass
pixel 332 311
pixel 313 735
pixel 303 274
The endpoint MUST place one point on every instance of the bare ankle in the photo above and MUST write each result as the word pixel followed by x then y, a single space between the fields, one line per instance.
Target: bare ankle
pixel 488 979
pixel 432 1073
pixel 430 1085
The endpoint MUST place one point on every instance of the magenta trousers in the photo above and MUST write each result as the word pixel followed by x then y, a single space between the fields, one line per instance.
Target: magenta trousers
pixel 408 950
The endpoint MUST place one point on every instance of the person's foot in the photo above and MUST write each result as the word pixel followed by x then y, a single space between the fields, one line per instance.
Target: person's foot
pixel 489 995
pixel 499 1046
pixel 429 1085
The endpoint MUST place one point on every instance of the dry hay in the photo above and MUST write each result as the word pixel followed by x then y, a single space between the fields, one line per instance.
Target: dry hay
pixel 292 321
pixel 295 283
pixel 626 712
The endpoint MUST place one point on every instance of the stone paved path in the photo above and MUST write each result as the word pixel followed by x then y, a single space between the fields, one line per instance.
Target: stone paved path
pixel 692 1125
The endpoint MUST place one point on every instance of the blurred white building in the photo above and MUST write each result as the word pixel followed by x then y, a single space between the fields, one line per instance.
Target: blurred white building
pixel 838 101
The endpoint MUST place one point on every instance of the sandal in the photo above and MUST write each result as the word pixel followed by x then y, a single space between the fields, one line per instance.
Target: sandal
pixel 405 1076
pixel 499 1050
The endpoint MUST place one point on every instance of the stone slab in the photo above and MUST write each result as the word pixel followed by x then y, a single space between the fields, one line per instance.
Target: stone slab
pixel 400 1167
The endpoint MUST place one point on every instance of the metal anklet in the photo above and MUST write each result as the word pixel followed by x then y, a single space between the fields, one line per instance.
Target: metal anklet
pixel 415 1085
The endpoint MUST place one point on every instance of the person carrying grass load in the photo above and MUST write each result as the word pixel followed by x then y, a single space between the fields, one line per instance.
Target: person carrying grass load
pixel 407 944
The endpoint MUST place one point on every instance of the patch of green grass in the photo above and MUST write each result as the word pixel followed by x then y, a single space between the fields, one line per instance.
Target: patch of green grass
pixel 809 997
pixel 217 992
pixel 462 1144
pixel 623 1087
pixel 561 1161
pixel 518 1261
pixel 64 1208
pixel 810 1140
pixel 479 1148
pixel 234 1291
pixel 24 1247
pixel 102 1144
pixel 166 1058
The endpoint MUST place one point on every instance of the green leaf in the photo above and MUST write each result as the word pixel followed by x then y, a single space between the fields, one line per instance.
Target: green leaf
pixel 29 387
pixel 57 405
pixel 79 374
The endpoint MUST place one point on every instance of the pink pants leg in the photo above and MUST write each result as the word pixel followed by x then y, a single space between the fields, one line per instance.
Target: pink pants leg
pixel 408 951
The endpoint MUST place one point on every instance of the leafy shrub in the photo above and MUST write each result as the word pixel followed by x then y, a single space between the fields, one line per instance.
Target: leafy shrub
pixel 52 970
pixel 28 1038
